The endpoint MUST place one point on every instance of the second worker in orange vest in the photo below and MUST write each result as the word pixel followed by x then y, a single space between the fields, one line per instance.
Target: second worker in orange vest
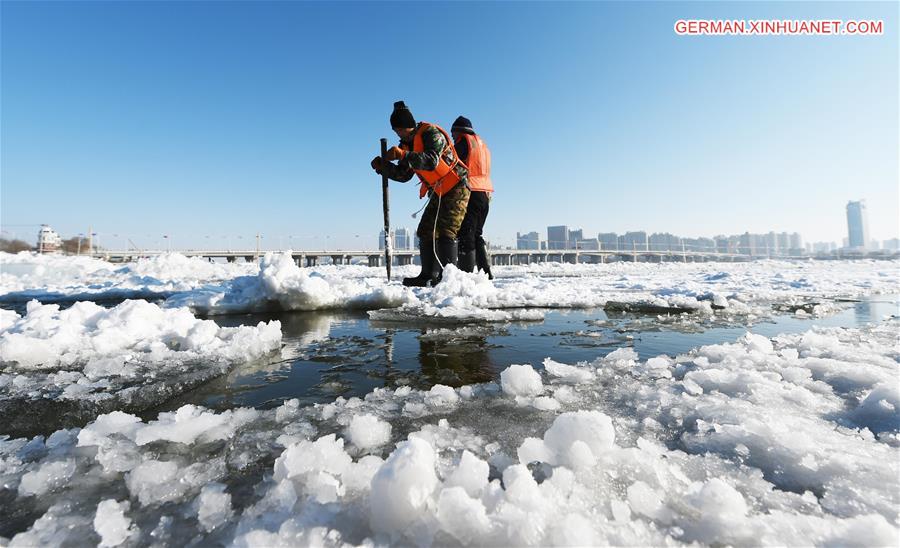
pixel 475 154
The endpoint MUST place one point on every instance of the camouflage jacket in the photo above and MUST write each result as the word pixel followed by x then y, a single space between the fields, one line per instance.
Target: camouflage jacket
pixel 434 143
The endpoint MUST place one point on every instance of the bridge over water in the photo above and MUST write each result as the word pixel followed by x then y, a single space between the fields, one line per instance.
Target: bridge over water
pixel 405 257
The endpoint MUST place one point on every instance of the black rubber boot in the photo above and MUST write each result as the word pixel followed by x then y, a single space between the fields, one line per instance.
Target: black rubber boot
pixel 426 255
pixel 481 259
pixel 447 254
pixel 467 261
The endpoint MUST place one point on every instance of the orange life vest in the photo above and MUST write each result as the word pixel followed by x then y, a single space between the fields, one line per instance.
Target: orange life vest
pixel 479 164
pixel 443 177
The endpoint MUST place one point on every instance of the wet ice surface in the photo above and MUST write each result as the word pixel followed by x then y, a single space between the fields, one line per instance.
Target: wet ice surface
pixel 451 418
pixel 326 355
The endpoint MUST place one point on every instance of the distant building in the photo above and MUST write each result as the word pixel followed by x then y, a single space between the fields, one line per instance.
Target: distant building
pixel 664 242
pixel 400 240
pixel 590 244
pixel 772 247
pixel 784 243
pixel 557 237
pixel 722 244
pixel 822 247
pixel 574 236
pixel 531 240
pixel 706 245
pixel 750 245
pixel 48 240
pixel 891 245
pixel 796 244
pixel 857 224
pixel 609 241
pixel 634 241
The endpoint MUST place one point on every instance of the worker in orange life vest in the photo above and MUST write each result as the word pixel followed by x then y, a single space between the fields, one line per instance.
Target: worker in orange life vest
pixel 475 154
pixel 426 150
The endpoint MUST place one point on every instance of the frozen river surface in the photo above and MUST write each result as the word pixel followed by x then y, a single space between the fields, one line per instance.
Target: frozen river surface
pixel 624 404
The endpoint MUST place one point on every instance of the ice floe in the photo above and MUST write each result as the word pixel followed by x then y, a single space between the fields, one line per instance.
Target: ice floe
pixel 791 440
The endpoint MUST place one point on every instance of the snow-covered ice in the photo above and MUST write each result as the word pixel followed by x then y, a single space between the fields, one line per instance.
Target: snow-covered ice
pixel 25 276
pixel 282 285
pixel 792 440
pixel 111 524
pixel 87 358
pixel 749 289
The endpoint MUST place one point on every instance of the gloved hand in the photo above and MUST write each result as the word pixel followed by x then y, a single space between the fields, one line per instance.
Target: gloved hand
pixel 394 153
pixel 376 164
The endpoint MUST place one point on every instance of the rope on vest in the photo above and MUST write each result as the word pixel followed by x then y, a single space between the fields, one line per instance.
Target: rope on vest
pixel 438 183
pixel 434 234
pixel 448 144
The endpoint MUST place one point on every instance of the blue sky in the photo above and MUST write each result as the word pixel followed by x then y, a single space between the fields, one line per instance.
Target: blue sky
pixel 213 121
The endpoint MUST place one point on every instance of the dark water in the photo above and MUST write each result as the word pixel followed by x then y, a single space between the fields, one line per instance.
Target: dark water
pixel 330 354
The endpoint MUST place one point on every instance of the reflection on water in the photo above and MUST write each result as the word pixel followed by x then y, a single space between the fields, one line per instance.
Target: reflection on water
pixel 330 354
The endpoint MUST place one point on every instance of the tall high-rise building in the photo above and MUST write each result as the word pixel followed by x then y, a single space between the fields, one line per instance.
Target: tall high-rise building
pixel 531 240
pixel 857 224
pixel 557 237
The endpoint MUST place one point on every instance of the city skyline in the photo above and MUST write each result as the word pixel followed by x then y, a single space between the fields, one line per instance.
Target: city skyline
pixel 562 237
pixel 403 238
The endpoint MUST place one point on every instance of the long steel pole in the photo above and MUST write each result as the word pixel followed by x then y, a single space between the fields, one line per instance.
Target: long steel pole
pixel 387 208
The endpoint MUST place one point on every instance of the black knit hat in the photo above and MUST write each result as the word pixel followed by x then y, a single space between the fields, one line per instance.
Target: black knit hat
pixel 463 125
pixel 402 117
